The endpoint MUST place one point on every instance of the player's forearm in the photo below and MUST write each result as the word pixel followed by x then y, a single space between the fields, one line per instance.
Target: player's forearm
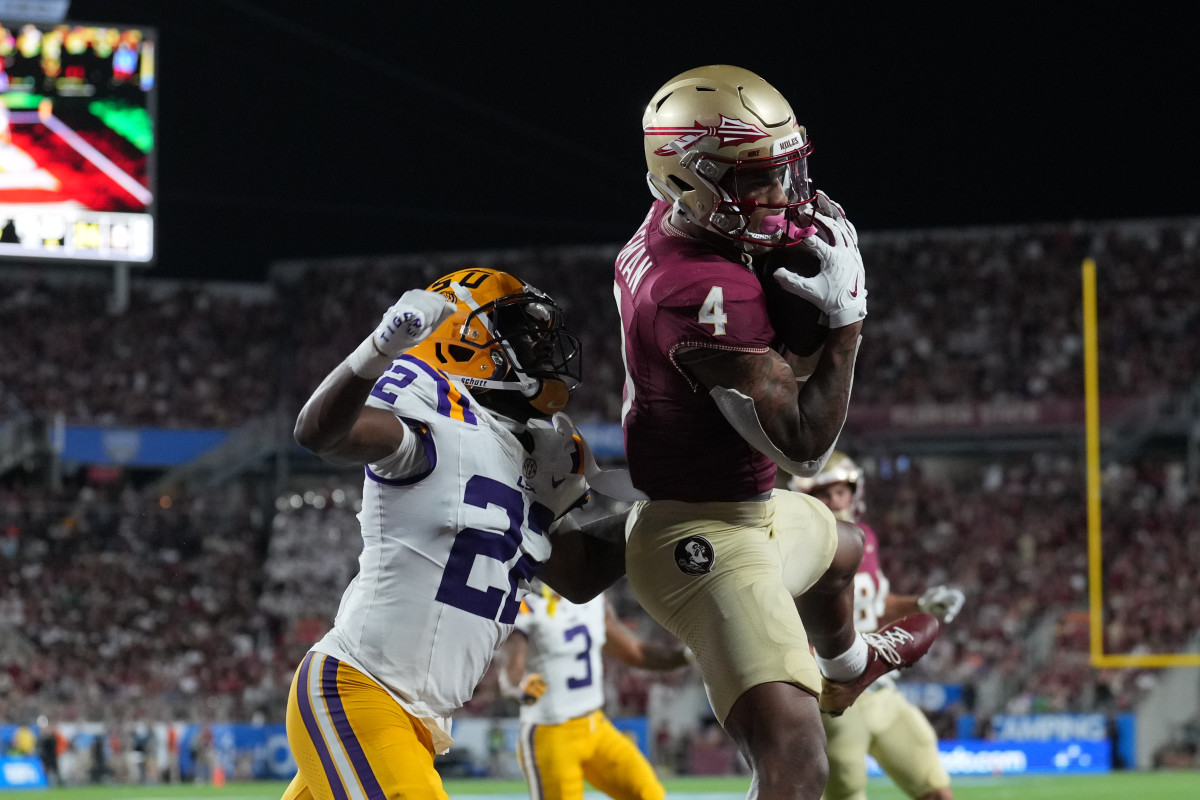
pixel 586 561
pixel 515 653
pixel 326 423
pixel 824 399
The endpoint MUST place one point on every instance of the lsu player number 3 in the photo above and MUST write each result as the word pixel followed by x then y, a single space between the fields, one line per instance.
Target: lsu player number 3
pixel 555 662
pixel 466 493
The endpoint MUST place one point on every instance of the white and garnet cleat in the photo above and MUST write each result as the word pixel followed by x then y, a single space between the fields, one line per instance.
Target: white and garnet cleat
pixel 897 645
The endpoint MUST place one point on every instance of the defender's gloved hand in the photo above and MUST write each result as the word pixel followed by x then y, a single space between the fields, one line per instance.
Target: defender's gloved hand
pixel 414 316
pixel 533 686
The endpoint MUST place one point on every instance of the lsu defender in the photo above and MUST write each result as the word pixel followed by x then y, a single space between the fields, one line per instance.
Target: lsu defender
pixel 881 722
pixel 467 484
pixel 555 659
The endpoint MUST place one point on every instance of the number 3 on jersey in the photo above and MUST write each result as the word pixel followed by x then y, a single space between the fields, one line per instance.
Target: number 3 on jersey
pixel 712 312
pixel 473 543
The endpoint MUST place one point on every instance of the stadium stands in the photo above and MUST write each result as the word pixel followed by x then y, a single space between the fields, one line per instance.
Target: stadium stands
pixel 196 603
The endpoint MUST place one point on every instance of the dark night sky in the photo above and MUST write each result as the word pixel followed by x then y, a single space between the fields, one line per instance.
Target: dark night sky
pixel 291 129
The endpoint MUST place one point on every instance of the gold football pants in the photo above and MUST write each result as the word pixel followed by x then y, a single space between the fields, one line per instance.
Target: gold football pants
pixel 557 759
pixel 734 607
pixel 352 740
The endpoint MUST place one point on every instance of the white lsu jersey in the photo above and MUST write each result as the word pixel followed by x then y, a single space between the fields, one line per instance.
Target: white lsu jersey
pixel 453 530
pixel 565 641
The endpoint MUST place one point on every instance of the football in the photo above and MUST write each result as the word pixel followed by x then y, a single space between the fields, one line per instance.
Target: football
pixel 799 325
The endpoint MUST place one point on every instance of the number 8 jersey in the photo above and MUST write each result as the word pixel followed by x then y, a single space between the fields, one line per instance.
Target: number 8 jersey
pixel 454 525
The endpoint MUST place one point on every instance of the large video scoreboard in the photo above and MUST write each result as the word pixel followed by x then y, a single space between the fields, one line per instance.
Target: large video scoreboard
pixel 77 142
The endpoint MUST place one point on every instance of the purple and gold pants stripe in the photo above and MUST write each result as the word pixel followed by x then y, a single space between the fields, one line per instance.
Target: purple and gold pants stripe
pixel 352 740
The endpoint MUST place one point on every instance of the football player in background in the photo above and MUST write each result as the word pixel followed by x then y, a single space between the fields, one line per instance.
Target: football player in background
pixel 555 667
pixel 467 485
pixel 882 722
pixel 744 575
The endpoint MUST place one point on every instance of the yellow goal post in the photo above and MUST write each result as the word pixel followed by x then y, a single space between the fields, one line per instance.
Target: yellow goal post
pixel 1091 380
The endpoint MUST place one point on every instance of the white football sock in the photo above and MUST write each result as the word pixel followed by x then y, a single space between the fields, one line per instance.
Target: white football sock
pixel 849 665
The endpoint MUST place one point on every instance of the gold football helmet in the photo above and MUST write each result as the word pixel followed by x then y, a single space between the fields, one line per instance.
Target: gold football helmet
pixel 838 469
pixel 506 335
pixel 723 146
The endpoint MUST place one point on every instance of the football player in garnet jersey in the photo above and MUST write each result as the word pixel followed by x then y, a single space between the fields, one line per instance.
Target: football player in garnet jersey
pixel 744 575
pixel 882 722
pixel 467 487
pixel 556 667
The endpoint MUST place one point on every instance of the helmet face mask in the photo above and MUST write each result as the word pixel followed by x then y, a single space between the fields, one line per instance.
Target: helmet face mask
pixel 765 201
pixel 528 327
pixel 506 336
pixel 723 147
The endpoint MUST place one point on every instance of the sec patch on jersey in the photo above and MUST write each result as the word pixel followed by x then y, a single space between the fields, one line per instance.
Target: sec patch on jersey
pixel 799 325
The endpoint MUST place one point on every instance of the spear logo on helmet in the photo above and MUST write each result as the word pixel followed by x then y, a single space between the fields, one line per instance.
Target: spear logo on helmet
pixel 730 131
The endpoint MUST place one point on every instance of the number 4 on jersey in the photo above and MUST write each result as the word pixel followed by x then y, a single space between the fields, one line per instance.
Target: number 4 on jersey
pixel 712 312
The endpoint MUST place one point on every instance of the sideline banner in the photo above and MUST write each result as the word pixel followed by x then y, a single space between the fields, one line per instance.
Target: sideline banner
pixel 21 772
pixel 985 757
pixel 135 447
pixel 1050 727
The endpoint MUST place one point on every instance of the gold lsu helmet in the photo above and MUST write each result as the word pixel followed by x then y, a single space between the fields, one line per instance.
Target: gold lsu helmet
pixel 840 468
pixel 505 335
pixel 714 136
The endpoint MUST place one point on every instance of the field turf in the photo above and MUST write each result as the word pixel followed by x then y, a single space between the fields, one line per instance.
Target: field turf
pixel 1115 786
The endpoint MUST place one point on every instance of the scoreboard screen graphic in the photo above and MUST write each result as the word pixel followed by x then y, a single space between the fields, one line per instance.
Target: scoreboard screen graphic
pixel 77 142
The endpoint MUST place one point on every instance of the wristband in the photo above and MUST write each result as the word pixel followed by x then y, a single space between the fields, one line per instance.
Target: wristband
pixel 366 361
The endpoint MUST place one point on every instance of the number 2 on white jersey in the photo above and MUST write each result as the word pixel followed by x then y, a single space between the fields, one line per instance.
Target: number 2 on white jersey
pixel 712 312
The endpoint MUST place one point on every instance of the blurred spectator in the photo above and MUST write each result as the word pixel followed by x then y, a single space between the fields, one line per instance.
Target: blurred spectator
pixel 214 355
pixel 49 744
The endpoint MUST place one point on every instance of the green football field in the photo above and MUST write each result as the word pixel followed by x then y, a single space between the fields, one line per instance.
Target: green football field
pixel 1115 786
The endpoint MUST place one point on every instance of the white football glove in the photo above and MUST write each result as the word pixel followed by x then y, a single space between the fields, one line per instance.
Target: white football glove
pixel 830 208
pixel 414 316
pixel 840 288
pixel 615 483
pixel 943 602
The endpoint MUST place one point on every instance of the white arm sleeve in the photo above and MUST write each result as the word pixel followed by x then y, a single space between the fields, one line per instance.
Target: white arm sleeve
pixel 739 410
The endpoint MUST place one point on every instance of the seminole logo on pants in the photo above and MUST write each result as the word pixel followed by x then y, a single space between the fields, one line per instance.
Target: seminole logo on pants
pixel 695 556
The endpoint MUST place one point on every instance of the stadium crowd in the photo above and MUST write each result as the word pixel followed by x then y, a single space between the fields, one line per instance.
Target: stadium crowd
pixel 197 608
pixel 116 606
pixel 956 316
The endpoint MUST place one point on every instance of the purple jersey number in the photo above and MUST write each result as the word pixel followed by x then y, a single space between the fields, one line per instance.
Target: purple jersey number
pixel 472 543
pixel 585 656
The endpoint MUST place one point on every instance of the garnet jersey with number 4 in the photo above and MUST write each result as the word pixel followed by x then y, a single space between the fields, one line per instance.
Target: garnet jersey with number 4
pixel 453 529
pixel 674 292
